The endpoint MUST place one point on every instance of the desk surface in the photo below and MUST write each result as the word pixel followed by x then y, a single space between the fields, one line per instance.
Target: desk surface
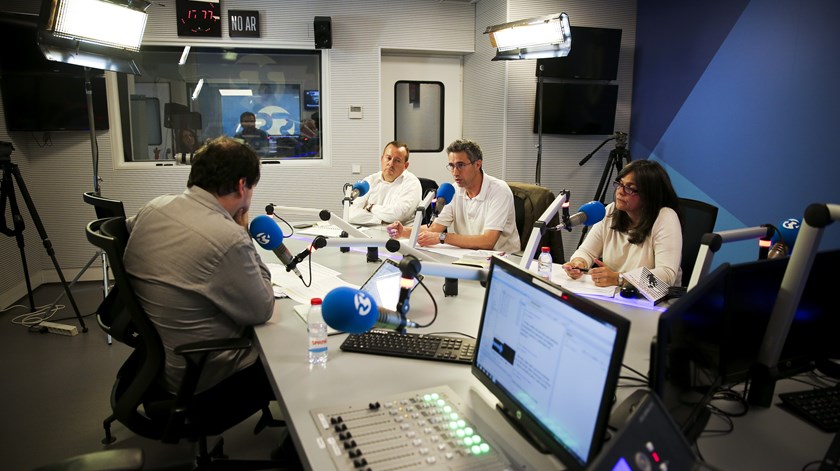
pixel 356 378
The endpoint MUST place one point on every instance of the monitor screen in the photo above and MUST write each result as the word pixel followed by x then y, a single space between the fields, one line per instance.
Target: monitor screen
pixel 384 285
pixel 48 101
pixel 594 56
pixel 577 108
pixel 716 329
pixel 311 99
pixel 551 358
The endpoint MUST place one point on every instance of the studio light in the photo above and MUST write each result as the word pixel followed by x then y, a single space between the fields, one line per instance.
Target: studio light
pixel 198 88
pixel 98 34
pixel 535 38
pixel 542 37
pixel 184 55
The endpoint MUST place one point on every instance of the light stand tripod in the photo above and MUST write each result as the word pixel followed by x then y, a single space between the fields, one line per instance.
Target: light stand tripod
pixel 618 157
pixel 7 193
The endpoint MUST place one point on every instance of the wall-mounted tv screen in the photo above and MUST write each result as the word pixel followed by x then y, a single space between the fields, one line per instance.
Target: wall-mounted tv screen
pixel 594 56
pixel 577 108
pixel 52 102
pixel 311 99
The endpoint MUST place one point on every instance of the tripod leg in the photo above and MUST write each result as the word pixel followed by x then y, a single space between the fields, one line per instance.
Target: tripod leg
pixel 7 193
pixel 47 243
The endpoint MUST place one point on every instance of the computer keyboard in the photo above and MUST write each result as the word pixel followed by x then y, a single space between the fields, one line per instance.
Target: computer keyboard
pixel 821 406
pixel 410 345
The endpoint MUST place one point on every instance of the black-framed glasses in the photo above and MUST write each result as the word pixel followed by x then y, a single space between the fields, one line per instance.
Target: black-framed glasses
pixel 459 165
pixel 629 191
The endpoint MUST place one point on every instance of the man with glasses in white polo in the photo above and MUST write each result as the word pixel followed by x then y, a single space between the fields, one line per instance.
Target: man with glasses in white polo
pixel 481 214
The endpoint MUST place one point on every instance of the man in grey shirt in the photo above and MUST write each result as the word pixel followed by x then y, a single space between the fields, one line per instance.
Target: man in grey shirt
pixel 196 272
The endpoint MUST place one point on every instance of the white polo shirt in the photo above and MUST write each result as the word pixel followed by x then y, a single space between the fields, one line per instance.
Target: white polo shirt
pixel 492 208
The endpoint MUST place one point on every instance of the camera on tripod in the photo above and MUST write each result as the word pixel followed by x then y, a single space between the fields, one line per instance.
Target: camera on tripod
pixel 621 139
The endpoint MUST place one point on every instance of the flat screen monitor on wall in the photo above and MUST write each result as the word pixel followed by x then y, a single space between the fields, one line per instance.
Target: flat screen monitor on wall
pixel 594 56
pixel 45 101
pixel 311 99
pixel 577 108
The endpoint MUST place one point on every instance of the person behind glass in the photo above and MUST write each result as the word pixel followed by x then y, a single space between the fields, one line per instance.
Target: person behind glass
pixel 197 274
pixel 394 192
pixel 481 214
pixel 641 229
pixel 256 138
pixel 187 141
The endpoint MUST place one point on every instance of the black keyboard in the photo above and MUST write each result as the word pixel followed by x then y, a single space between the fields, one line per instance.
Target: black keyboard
pixel 419 346
pixel 821 407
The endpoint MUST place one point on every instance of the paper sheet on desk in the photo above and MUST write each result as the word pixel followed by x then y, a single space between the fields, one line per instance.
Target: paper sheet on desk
pixel 459 253
pixel 324 229
pixel 582 285
pixel 324 280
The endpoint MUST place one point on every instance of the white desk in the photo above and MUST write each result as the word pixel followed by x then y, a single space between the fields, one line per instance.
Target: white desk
pixel 764 439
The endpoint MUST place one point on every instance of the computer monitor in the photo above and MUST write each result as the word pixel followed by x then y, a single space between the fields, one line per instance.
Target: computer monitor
pixel 552 359
pixel 715 331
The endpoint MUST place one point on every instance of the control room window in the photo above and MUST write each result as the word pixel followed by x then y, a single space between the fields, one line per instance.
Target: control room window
pixel 170 110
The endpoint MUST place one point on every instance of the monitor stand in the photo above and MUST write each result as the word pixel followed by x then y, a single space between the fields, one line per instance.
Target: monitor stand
pixel 525 433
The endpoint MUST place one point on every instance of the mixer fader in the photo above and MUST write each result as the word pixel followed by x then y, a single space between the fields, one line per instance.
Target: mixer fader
pixel 426 429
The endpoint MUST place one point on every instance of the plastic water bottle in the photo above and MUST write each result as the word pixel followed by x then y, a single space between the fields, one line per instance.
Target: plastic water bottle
pixel 544 262
pixel 317 333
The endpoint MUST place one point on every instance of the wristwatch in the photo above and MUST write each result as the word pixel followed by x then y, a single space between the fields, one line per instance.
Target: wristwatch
pixel 621 279
pixel 442 237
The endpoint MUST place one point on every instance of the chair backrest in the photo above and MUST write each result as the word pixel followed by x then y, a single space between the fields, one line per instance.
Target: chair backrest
pixel 529 202
pixel 427 184
pixel 697 218
pixel 105 207
pixel 139 374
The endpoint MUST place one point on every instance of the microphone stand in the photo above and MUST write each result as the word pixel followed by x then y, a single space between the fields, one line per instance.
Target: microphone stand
pixel 617 158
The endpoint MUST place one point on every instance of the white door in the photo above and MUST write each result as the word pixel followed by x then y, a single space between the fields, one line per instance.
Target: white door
pixel 444 69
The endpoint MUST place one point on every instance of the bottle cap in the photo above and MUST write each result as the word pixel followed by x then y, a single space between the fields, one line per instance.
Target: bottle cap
pixel 545 249
pixel 315 301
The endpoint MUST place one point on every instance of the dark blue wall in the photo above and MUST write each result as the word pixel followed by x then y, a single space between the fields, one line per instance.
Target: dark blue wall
pixel 740 101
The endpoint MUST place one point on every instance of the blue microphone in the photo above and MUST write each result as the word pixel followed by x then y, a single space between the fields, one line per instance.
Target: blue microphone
pixel 587 215
pixel 269 236
pixel 784 239
pixel 444 195
pixel 355 311
pixel 360 188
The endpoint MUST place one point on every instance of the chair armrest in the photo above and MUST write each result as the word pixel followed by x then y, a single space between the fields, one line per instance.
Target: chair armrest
pixel 196 355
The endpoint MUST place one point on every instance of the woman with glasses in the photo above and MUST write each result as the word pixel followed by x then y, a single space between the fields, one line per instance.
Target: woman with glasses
pixel 641 229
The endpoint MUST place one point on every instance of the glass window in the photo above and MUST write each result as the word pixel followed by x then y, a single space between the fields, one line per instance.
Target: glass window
pixel 418 115
pixel 269 99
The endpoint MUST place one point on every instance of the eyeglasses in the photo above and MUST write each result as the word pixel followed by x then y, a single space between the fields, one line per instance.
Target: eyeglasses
pixel 459 165
pixel 627 190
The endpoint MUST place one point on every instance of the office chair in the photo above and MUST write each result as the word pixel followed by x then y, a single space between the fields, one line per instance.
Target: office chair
pixel 697 218
pixel 529 202
pixel 427 184
pixel 105 208
pixel 137 399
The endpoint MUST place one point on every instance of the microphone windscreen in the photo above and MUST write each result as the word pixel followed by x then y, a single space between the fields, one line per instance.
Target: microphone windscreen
pixel 362 186
pixel 266 232
pixel 594 211
pixel 349 310
pixel 446 191
pixel 788 230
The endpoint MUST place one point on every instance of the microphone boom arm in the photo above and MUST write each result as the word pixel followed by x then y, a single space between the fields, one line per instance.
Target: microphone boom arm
pixel 540 228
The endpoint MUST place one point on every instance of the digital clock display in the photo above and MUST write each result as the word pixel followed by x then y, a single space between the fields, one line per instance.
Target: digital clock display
pixel 196 18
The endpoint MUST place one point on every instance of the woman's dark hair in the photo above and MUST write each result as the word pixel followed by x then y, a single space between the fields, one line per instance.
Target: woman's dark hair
pixel 219 164
pixel 655 191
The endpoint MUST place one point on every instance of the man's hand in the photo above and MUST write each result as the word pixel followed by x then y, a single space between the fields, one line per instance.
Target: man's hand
pixel 241 218
pixel 428 238
pixel 396 230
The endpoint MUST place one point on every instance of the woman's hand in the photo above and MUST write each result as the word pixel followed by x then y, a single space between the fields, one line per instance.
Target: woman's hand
pixel 603 275
pixel 575 268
